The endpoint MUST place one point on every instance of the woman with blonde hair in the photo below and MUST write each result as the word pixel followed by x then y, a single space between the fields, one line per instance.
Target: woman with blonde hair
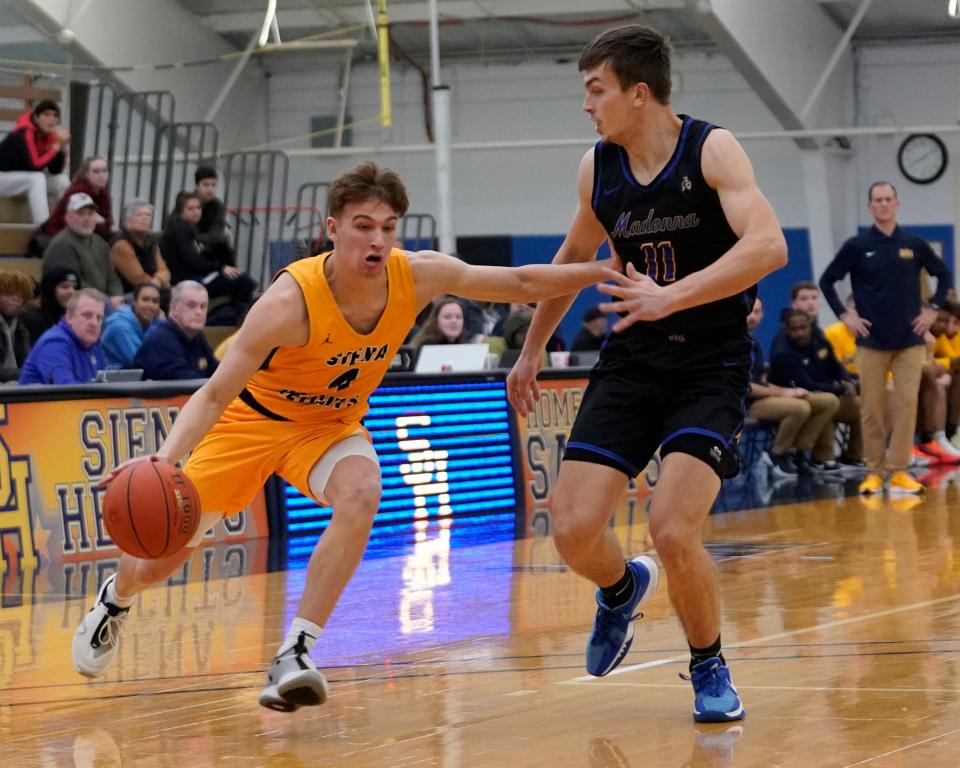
pixel 443 326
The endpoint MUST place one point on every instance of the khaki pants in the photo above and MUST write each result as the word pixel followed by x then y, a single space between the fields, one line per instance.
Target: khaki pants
pixel 805 424
pixel 906 366
pixel 849 413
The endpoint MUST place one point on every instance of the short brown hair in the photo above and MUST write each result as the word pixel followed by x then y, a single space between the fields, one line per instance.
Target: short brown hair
pixel 635 54
pixel 803 285
pixel 13 283
pixel 367 182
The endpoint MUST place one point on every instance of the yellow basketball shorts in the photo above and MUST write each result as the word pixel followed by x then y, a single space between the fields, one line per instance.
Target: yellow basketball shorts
pixel 244 448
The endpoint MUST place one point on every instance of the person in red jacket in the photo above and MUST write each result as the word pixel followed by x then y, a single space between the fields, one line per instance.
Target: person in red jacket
pixel 32 158
pixel 93 178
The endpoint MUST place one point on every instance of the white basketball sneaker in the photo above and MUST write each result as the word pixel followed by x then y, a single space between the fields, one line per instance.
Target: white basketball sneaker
pixel 96 640
pixel 293 681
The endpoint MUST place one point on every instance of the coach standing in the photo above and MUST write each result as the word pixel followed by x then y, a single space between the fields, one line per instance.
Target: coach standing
pixel 884 265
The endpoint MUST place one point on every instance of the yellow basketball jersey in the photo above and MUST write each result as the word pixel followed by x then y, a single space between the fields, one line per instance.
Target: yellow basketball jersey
pixel 331 378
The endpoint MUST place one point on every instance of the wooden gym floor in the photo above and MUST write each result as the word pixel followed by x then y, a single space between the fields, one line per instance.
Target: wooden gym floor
pixel 841 624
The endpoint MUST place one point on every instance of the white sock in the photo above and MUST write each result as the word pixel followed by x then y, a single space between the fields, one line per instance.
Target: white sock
pixel 112 597
pixel 298 627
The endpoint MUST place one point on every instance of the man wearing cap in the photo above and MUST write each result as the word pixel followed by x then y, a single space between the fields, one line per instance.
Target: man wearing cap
pixel 78 248
pixel 32 159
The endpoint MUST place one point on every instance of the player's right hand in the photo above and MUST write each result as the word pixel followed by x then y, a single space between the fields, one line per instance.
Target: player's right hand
pixel 122 466
pixel 522 389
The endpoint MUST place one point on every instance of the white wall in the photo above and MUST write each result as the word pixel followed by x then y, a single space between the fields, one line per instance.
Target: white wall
pixel 513 191
pixel 532 191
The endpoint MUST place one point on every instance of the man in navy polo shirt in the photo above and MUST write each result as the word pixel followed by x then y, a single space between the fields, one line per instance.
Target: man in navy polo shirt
pixel 884 265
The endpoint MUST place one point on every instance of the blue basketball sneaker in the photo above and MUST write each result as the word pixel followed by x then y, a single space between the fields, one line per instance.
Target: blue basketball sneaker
pixel 715 699
pixel 613 627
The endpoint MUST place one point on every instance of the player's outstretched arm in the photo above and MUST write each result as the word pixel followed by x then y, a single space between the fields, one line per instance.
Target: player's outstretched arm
pixel 278 319
pixel 759 251
pixel 436 273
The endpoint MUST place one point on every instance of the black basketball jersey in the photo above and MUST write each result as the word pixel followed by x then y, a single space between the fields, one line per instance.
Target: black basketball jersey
pixel 669 228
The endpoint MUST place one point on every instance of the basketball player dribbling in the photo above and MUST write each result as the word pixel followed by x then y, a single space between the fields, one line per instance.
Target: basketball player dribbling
pixel 678 201
pixel 289 397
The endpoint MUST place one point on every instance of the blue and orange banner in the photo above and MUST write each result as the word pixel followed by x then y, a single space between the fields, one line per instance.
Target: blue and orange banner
pixel 52 456
pixel 543 441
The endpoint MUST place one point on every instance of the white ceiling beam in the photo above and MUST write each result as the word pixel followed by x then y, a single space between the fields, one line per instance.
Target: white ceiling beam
pixel 451 9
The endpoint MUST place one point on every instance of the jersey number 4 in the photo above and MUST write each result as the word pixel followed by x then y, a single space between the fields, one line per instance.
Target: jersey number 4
pixel 660 254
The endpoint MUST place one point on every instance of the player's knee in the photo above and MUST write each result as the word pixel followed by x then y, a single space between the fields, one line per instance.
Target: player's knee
pixel 673 539
pixel 362 495
pixel 572 532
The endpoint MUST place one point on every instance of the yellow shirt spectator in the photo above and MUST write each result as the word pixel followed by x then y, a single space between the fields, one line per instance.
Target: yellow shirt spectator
pixel 844 345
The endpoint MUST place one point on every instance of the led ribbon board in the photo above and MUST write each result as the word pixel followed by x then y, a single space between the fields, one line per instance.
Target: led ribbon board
pixel 446 456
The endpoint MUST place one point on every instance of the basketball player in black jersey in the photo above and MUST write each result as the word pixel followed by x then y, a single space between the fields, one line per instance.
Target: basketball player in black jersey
pixel 677 199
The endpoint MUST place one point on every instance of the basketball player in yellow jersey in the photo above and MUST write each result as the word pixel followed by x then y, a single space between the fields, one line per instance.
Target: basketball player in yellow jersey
pixel 289 396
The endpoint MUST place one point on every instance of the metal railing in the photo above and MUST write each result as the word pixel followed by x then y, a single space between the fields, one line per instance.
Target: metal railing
pixel 184 147
pixel 254 192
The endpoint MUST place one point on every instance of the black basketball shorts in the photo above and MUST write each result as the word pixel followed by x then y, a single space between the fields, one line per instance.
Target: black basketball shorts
pixel 687 397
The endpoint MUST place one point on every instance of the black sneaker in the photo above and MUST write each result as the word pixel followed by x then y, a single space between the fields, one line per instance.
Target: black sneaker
pixel 825 466
pixel 783 464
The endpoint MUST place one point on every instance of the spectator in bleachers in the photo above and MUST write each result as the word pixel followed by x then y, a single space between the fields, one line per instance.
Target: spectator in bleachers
pixel 555 343
pixel 125 329
pixel 935 383
pixel 844 343
pixel 804 419
pixel 212 227
pixel 56 288
pixel 884 265
pixel 32 159
pixel 515 330
pixel 443 326
pixel 592 332
pixel 188 260
pixel 177 349
pixel 70 352
pixel 77 248
pixel 807 361
pixel 92 179
pixel 16 289
pixel 135 252
pixel 946 352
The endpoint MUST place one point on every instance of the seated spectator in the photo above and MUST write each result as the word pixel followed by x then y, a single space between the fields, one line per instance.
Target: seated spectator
pixel 32 159
pixel 844 343
pixel 515 330
pixel 92 179
pixel 70 352
pixel 56 288
pixel 135 252
pixel 212 227
pixel 77 248
pixel 804 419
pixel 125 329
pixel 807 361
pixel 176 348
pixel 946 352
pixel 935 382
pixel 804 296
pixel 554 344
pixel 188 260
pixel 593 331
pixel 16 289
pixel 443 326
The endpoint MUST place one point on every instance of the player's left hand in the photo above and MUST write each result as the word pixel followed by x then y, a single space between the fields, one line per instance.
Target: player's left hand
pixel 923 321
pixel 640 297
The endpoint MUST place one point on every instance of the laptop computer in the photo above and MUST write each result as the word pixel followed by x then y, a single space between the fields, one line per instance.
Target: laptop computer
pixel 404 359
pixel 119 374
pixel 436 358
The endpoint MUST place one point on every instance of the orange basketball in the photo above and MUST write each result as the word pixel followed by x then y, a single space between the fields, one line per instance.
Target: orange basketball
pixel 151 509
